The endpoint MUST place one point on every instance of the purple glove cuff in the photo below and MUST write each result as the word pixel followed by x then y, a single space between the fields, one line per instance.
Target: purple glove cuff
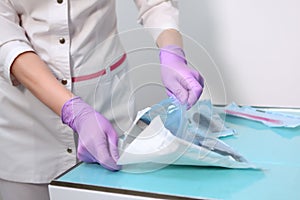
pixel 170 51
pixel 69 111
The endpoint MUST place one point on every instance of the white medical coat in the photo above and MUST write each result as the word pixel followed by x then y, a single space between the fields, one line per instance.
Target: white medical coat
pixel 76 39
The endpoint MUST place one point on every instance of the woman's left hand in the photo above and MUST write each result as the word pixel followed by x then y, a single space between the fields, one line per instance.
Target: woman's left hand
pixel 181 81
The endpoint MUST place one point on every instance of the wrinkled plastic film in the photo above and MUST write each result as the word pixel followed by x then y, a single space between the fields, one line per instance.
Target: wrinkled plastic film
pixel 148 137
pixel 171 135
pixel 171 112
pixel 203 120
pixel 199 125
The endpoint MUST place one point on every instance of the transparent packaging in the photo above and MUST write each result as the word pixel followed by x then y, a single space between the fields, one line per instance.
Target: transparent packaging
pixel 168 134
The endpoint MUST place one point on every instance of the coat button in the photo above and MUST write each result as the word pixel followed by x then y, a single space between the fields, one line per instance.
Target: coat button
pixel 62 40
pixel 64 82
pixel 59 1
pixel 69 150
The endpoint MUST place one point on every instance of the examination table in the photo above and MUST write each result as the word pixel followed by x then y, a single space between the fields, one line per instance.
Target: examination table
pixel 274 150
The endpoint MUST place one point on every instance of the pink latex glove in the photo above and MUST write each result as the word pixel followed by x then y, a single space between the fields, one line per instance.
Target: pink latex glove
pixel 98 141
pixel 181 81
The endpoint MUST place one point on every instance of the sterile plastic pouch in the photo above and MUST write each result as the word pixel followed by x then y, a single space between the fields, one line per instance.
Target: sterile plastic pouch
pixel 164 134
pixel 269 118
pixel 205 121
pixel 201 119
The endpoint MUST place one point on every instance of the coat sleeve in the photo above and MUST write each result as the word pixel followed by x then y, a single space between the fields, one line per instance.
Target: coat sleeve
pixel 13 40
pixel 158 15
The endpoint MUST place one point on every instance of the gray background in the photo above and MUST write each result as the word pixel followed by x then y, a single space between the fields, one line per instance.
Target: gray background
pixel 248 51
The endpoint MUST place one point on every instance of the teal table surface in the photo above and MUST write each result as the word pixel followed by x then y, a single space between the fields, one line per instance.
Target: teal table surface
pixel 274 150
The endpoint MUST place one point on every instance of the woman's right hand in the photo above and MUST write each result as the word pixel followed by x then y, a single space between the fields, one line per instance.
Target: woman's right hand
pixel 98 140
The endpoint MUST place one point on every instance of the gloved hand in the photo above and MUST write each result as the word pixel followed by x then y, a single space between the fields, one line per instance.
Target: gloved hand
pixel 98 141
pixel 181 81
